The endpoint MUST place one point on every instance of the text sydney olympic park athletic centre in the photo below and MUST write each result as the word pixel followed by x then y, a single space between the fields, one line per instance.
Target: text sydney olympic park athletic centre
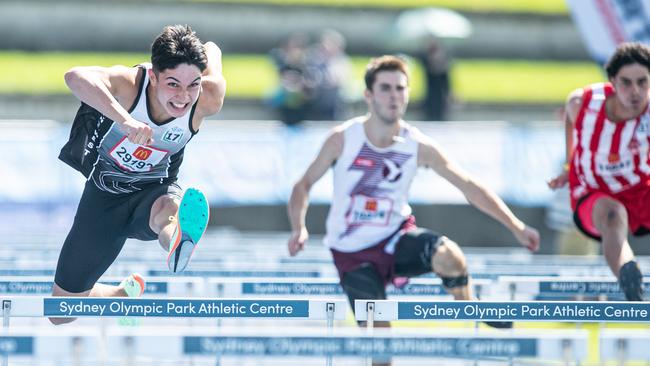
pixel 186 308
pixel 525 311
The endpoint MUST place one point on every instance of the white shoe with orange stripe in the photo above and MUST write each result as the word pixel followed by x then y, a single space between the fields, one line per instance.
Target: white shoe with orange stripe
pixel 192 220
pixel 133 285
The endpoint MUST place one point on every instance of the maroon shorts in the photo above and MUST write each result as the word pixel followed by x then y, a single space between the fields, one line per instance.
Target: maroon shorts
pixel 375 255
pixel 636 201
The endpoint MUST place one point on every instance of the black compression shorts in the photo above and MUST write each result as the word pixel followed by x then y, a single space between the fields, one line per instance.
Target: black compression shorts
pixel 101 226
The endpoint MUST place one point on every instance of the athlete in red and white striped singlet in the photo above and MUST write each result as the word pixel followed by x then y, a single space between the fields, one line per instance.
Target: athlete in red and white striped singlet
pixel 608 156
pixel 609 168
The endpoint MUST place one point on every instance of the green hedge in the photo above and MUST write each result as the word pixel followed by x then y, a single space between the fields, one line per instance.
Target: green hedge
pixel 512 6
pixel 253 76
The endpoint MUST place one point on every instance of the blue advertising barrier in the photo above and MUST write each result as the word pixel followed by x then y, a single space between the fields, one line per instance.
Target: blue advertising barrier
pixel 557 311
pixel 563 288
pixel 181 342
pixel 35 306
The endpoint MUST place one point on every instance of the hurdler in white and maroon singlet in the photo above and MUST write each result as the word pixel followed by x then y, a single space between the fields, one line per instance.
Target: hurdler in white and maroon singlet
pixel 371 187
pixel 607 157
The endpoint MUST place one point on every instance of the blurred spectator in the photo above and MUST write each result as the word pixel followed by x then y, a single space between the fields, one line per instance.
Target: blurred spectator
pixel 311 78
pixel 436 68
pixel 290 99
pixel 328 68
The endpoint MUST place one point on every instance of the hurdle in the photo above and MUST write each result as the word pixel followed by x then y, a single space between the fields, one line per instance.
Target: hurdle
pixel 475 347
pixel 27 272
pixel 623 345
pixel 47 343
pixel 73 307
pixel 244 287
pixel 554 288
pixel 237 287
pixel 534 311
pixel 528 271
pixel 171 343
pixel 168 286
pixel 239 273
pixel 158 271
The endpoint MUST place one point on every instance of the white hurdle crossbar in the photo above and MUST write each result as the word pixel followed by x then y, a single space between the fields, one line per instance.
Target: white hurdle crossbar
pixel 241 273
pixel 178 342
pixel 125 270
pixel 557 288
pixel 624 345
pixel 468 346
pixel 556 311
pixel 35 306
pixel 32 306
pixel 159 286
pixel 236 287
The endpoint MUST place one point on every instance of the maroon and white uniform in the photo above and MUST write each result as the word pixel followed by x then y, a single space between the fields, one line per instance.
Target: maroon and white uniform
pixel 371 185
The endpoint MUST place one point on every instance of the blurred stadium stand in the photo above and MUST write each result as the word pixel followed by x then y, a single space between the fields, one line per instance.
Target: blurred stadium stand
pixel 129 26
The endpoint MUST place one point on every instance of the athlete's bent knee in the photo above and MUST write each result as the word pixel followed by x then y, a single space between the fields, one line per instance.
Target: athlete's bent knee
pixel 57 291
pixel 449 260
pixel 609 213
pixel 162 209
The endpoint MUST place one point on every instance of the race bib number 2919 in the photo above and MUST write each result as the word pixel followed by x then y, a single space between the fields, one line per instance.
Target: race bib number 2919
pixel 136 158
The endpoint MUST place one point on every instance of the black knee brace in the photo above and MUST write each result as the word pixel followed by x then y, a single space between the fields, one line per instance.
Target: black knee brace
pixel 631 281
pixel 451 282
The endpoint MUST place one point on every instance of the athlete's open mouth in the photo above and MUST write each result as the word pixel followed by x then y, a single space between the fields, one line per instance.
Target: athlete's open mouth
pixel 178 107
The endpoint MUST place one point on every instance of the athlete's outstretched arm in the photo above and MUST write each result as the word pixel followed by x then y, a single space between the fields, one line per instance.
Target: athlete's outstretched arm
pixel 431 155
pixel 213 84
pixel 99 87
pixel 573 103
pixel 299 201
pixel 108 90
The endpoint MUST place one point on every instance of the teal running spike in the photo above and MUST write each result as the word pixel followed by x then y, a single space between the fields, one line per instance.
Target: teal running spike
pixel 191 222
